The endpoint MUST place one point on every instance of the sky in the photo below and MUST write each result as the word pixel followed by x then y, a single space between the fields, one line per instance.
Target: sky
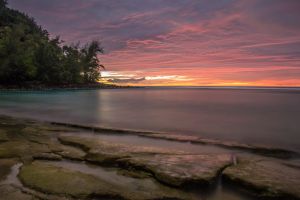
pixel 182 42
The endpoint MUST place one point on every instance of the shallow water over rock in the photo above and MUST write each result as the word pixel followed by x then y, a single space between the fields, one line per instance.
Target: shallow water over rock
pixel 111 175
pixel 127 162
pixel 12 177
pixel 137 140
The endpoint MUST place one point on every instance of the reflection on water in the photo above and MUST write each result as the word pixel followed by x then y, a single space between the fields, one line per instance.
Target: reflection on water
pixel 251 116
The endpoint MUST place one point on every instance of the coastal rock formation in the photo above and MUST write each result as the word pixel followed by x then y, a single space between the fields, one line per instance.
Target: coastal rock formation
pixel 181 170
pixel 69 152
pixel 174 168
pixel 56 163
pixel 256 149
pixel 5 166
pixel 47 156
pixel 103 152
pixel 9 192
pixel 56 180
pixel 265 178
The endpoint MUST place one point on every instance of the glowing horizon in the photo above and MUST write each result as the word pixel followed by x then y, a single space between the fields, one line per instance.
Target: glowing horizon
pixel 183 43
pixel 137 79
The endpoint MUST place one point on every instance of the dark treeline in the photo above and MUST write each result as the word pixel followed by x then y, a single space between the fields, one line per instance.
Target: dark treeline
pixel 29 55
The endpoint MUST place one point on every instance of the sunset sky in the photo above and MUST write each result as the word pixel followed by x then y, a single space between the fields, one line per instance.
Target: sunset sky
pixel 182 42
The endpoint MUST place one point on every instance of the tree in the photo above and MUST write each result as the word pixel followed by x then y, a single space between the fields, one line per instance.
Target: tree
pixel 90 61
pixel 3 3
pixel 72 64
pixel 17 57
pixel 20 40
pixel 28 54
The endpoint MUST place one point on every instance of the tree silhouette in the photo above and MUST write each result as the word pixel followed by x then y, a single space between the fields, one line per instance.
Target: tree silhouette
pixel 28 54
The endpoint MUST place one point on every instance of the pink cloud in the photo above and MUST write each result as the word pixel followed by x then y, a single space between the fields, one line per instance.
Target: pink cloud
pixel 208 42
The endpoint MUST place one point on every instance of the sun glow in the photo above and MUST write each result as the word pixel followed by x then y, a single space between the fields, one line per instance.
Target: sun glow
pixel 141 78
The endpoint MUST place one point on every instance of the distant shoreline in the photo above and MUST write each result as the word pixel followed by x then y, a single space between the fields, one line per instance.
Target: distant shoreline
pixel 227 87
pixel 93 86
pixel 41 87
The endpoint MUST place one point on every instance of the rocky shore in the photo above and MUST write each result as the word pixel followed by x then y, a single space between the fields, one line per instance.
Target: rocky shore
pixel 63 161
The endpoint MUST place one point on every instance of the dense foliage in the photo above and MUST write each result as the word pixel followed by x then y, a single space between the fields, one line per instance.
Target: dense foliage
pixel 28 54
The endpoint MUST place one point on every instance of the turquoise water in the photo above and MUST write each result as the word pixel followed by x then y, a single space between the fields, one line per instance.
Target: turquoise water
pixel 264 116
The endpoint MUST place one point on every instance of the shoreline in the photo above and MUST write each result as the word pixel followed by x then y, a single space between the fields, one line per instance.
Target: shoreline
pixel 42 152
pixel 259 149
pixel 265 150
pixel 42 87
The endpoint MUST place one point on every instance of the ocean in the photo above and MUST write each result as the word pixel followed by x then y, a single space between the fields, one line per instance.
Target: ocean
pixel 267 116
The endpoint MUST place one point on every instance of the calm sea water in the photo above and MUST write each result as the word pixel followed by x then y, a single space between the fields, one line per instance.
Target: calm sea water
pixel 268 116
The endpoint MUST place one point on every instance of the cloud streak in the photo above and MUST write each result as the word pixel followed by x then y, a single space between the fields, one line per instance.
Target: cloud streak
pixel 208 42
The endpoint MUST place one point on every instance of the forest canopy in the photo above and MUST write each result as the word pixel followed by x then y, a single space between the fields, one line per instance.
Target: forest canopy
pixel 29 55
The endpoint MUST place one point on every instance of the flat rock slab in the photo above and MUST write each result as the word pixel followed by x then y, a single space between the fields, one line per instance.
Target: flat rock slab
pixel 71 153
pixel 181 170
pixel 94 144
pixel 61 181
pixel 265 178
pixel 255 149
pixel 104 152
pixel 174 168
pixel 46 156
pixel 13 149
pixel 8 192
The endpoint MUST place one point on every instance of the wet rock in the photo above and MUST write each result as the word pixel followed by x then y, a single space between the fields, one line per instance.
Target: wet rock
pixel 78 142
pixel 22 149
pixel 47 156
pixel 32 141
pixel 71 153
pixel 256 149
pixel 6 122
pixel 134 173
pixel 13 149
pixel 97 151
pixel 96 156
pixel 56 180
pixel 8 192
pixel 3 136
pixel 265 178
pixel 54 128
pixel 292 163
pixel 172 168
pixel 172 137
pixel 181 170
pixel 36 135
pixel 97 145
pixel 5 167
pixel 103 152
pixel 27 140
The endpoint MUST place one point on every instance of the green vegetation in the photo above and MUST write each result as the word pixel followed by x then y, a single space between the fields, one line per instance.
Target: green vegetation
pixel 29 55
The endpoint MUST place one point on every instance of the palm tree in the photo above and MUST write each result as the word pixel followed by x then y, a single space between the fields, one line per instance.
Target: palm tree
pixel 90 61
